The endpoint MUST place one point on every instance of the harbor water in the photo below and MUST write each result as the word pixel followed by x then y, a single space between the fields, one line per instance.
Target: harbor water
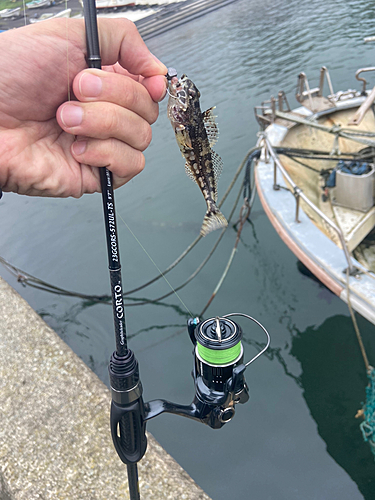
pixel 297 437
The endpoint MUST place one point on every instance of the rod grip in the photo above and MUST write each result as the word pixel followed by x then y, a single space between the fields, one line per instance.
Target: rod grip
pixel 128 424
pixel 128 429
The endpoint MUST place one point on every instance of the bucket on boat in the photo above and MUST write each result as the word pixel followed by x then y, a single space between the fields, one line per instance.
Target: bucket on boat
pixel 354 185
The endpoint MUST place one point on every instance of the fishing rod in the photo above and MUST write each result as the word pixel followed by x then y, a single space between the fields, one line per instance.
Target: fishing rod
pixel 127 410
pixel 219 367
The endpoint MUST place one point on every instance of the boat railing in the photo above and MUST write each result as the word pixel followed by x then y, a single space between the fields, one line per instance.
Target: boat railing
pixel 325 73
pixel 304 91
pixel 265 114
pixel 361 79
pixel 299 194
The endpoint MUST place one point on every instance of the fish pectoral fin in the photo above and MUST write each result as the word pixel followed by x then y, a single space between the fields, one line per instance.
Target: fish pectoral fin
pixel 189 172
pixel 183 138
pixel 211 126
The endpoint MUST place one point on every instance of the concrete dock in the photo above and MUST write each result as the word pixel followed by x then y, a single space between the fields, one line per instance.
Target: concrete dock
pixel 55 440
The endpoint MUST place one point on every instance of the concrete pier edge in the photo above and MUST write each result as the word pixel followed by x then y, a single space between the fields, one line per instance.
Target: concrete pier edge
pixel 55 439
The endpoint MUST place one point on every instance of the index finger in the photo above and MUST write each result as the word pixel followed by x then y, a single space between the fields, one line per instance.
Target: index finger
pixel 121 42
pixel 94 85
pixel 156 85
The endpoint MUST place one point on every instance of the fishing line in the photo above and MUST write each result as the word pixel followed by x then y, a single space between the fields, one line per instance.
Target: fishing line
pixel 170 95
pixel 67 49
pixel 24 11
pixel 152 260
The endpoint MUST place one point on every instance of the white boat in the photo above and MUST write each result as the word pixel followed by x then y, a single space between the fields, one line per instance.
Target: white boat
pixel 10 13
pixel 36 4
pixel 51 15
pixel 316 179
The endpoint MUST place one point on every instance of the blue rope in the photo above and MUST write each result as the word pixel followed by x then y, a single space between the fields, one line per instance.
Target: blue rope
pixel 368 425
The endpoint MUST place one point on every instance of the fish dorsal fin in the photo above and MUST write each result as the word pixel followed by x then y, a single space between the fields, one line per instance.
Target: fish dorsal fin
pixel 189 172
pixel 211 126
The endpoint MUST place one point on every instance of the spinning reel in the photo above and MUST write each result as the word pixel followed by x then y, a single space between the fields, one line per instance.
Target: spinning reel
pixel 219 381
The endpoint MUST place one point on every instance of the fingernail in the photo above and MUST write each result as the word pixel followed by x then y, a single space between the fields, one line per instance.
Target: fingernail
pixel 71 115
pixel 79 147
pixel 164 91
pixel 90 85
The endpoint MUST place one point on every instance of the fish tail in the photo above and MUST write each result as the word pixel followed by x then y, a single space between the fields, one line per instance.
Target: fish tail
pixel 213 219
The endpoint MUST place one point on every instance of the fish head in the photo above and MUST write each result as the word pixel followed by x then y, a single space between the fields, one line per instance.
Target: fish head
pixel 181 94
pixel 188 90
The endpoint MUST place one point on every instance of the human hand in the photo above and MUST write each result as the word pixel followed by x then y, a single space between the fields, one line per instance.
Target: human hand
pixel 51 147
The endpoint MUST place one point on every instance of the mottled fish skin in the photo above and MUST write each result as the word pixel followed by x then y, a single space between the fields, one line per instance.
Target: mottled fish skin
pixel 195 133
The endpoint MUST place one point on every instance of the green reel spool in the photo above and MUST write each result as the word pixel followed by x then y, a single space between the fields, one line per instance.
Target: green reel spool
pixel 220 357
pixel 219 342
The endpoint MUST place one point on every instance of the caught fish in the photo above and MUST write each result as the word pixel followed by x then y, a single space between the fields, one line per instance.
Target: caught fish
pixel 196 133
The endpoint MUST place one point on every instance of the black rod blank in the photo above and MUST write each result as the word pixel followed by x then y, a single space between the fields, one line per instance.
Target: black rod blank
pixel 133 439
pixel 106 182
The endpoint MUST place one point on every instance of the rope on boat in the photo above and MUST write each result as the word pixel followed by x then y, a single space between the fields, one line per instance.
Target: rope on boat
pixel 368 410
pixel 370 274
pixel 366 154
pixel 316 154
pixel 26 278
pixel 355 324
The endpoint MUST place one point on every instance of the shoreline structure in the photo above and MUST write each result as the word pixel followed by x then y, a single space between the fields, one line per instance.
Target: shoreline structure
pixel 55 439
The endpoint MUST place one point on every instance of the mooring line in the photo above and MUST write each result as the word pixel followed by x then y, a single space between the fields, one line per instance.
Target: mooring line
pixel 355 325
pixel 199 237
pixel 246 207
pixel 27 279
